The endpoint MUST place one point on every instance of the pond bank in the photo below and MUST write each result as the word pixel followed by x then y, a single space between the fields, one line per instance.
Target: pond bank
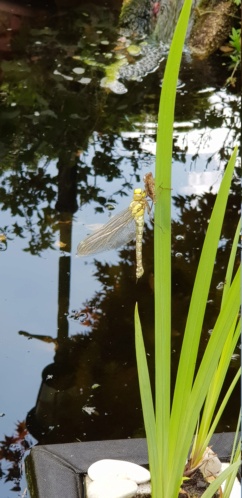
pixel 57 470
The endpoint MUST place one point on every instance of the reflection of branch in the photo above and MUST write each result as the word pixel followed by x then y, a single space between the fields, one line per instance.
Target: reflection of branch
pixel 44 338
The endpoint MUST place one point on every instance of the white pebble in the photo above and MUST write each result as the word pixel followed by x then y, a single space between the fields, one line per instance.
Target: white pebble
pixel 112 488
pixel 118 468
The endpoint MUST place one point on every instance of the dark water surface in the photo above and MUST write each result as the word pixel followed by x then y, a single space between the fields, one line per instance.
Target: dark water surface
pixel 69 151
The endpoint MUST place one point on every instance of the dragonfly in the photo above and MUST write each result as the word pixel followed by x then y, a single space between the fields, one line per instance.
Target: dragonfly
pixel 123 227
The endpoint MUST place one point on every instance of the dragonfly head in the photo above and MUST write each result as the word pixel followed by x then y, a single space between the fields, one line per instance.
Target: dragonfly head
pixel 139 194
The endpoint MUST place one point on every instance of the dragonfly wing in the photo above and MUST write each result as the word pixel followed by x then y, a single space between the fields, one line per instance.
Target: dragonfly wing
pixel 118 231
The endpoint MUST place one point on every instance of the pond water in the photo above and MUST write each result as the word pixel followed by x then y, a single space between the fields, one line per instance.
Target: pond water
pixel 71 152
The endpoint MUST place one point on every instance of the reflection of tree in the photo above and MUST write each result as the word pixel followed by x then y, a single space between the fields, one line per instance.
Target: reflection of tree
pixel 90 391
pixel 112 324
pixel 194 213
pixel 41 132
pixel 58 140
pixel 12 450
pixel 208 108
pixel 85 395
pixel 48 120
pixel 92 385
pixel 188 236
pixel 31 192
pixel 23 191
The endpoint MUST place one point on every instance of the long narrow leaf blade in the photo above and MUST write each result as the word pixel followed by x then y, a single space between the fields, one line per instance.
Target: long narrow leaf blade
pixel 162 244
pixel 208 367
pixel 231 262
pixel 220 479
pixel 146 400
pixel 196 313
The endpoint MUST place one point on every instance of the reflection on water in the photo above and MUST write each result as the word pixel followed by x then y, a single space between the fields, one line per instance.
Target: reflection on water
pixel 70 150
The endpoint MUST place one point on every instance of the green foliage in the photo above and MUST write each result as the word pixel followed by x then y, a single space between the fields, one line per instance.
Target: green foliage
pixel 170 426
pixel 235 43
pixel 235 40
pixel 208 421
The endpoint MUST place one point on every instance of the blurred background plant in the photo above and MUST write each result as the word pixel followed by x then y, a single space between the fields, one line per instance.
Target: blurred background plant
pixel 235 56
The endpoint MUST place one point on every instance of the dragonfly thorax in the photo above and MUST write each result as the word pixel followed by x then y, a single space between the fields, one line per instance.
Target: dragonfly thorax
pixel 137 208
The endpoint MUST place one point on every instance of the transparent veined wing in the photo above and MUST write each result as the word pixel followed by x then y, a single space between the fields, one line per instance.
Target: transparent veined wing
pixel 122 228
pixel 119 230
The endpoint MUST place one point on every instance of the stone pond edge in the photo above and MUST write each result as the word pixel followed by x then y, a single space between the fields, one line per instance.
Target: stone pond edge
pixel 56 470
